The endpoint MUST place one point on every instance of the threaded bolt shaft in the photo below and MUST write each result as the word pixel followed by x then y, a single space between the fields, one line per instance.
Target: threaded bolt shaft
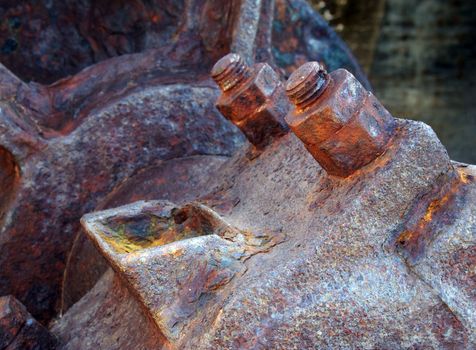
pixel 306 84
pixel 229 71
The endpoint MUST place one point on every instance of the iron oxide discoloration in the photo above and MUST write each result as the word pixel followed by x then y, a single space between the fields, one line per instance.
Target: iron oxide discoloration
pixel 114 112
pixel 252 99
pixel 190 250
pixel 341 124
pixel 266 252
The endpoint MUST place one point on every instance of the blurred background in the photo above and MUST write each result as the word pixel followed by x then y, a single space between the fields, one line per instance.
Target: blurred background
pixel 420 57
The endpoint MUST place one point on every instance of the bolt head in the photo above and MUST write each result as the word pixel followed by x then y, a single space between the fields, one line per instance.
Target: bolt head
pixel 253 93
pixel 225 63
pixel 331 112
pixel 360 141
pixel 307 84
pixel 302 75
pixel 346 128
pixel 267 122
pixel 229 71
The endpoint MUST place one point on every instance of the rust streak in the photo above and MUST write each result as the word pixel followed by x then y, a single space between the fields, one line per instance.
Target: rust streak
pixel 430 214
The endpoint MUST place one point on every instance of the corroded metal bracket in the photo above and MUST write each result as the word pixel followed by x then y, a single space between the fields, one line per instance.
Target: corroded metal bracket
pixel 178 260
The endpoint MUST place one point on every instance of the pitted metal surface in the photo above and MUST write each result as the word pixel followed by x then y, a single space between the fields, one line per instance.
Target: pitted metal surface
pixel 337 279
pixel 135 104
pixel 351 230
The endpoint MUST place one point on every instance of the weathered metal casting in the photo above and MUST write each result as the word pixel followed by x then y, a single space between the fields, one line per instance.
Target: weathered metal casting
pixel 150 242
pixel 277 254
pixel 48 40
pixel 66 175
pixel 65 147
pixel 263 250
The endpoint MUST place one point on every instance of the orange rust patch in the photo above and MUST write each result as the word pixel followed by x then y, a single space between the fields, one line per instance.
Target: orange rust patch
pixel 436 205
pixel 464 177
pixel 431 214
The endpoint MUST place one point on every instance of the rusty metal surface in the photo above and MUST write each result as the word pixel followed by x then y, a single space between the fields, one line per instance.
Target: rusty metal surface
pixel 251 248
pixel 275 253
pixel 179 180
pixel 438 242
pixel 73 172
pixel 153 241
pixel 337 280
pixel 68 144
pixel 332 284
pixel 20 331
pixel 108 317
pixel 46 41
pixel 299 36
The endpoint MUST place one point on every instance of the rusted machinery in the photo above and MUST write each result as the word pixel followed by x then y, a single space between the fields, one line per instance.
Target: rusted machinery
pixel 370 247
pixel 347 229
pixel 65 147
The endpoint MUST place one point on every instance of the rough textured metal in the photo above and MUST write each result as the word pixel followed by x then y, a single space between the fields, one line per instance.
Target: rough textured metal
pixel 148 237
pixel 67 145
pixel 59 182
pixel 179 180
pixel 279 255
pixel 341 124
pixel 20 331
pixel 263 250
pixel 252 98
pixel 107 317
pixel 306 84
pixel 298 34
pixel 46 41
pixel 336 283
pixel 438 242
pixel 338 280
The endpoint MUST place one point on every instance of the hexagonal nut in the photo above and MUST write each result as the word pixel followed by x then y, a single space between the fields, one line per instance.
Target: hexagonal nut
pixel 358 142
pixel 267 122
pixel 332 110
pixel 237 104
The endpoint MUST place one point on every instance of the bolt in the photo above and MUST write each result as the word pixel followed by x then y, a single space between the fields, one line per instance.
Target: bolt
pixel 342 125
pixel 229 71
pixel 306 84
pixel 252 98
